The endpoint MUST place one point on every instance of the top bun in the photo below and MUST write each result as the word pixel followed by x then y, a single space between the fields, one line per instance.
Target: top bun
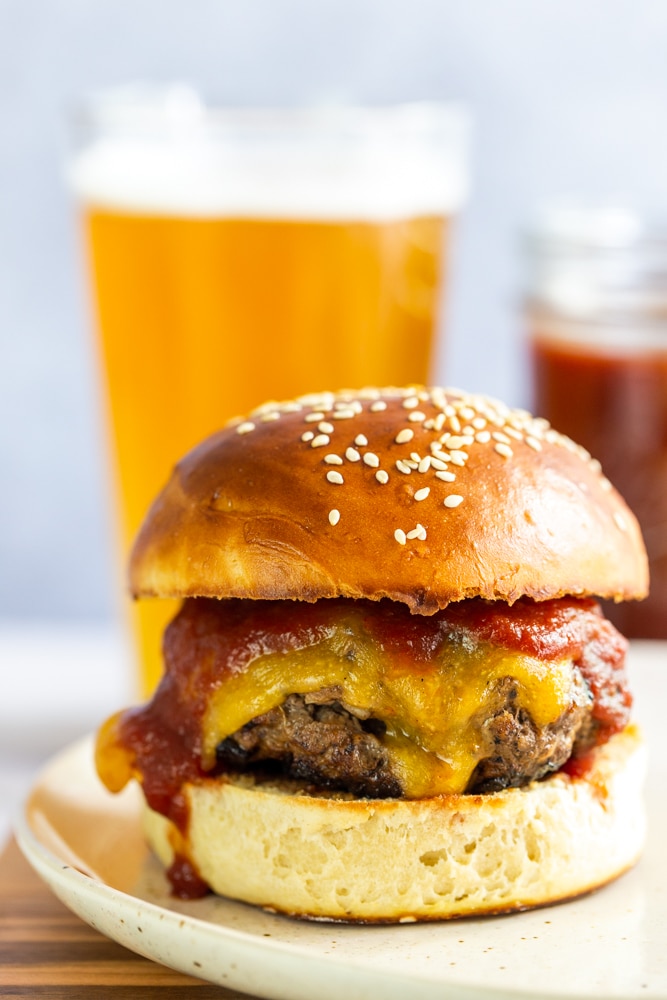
pixel 422 496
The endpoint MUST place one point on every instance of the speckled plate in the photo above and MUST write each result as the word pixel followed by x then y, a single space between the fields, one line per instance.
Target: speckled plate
pixel 86 844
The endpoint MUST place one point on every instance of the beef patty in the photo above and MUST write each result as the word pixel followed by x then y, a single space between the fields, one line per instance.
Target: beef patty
pixel 317 739
pixel 320 743
pixel 478 697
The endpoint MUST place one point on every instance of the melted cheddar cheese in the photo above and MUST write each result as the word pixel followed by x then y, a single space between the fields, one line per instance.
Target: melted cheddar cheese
pixel 434 712
pixel 436 683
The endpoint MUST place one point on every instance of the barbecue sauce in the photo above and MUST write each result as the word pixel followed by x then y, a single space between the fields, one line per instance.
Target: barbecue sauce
pixel 613 401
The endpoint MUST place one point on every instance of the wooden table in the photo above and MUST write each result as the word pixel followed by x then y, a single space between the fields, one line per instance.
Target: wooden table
pixel 46 951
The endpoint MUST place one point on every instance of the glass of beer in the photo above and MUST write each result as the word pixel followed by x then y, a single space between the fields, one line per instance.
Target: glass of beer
pixel 240 255
pixel 597 314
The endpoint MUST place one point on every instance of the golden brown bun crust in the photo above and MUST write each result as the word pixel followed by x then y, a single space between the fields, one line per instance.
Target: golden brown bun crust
pixel 426 859
pixel 248 513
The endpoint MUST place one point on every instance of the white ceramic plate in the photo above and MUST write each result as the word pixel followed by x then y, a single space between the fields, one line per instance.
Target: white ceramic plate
pixel 87 846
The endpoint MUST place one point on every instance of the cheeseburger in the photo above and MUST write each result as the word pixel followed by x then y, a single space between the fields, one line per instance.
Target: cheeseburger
pixel 390 693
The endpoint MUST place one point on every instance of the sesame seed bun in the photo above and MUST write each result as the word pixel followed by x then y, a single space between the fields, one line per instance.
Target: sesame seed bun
pixel 422 496
pixel 428 859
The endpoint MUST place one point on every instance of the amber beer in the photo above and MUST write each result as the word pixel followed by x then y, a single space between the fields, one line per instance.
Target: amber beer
pixel 223 281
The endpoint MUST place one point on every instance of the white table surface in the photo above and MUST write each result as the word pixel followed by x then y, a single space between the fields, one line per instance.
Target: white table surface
pixel 59 681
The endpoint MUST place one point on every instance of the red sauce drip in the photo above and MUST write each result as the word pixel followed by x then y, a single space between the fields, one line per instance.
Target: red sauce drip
pixel 207 641
pixel 578 767
pixel 185 881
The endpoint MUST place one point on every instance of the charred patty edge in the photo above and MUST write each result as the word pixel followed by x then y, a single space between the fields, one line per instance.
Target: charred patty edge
pixel 319 739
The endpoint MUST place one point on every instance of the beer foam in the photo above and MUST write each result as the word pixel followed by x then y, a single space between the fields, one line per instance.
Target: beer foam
pixel 384 177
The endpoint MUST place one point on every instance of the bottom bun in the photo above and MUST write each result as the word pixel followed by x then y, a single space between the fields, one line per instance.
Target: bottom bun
pixel 392 860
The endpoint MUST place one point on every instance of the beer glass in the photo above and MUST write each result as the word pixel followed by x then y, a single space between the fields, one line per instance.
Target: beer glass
pixel 240 255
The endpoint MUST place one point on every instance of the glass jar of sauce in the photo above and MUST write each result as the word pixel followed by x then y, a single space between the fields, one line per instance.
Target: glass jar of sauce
pixel 597 320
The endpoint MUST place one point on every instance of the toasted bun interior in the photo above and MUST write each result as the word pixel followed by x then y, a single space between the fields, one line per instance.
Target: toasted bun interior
pixel 424 497
pixel 430 859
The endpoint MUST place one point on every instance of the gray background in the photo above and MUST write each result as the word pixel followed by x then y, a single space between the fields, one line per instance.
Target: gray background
pixel 569 98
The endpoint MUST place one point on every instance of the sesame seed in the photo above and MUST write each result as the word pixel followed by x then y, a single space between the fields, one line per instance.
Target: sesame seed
pixel 483 437
pixel 415 456
pixel 447 477
pixel 417 416
pixel 533 443
pixel 595 465
pixel 413 534
pixel 453 500
pixel 318 400
pixel 335 477
pixel 271 415
pixel 479 423
pixel 439 422
pixel 452 441
pixel 403 467
pixel 333 459
pixel 461 457
pixel 269 407
pixel 361 440
pixel 245 427
pixel 352 455
pixel 404 436
pixel 411 462
pixel 320 441
pixel 378 406
pixel 325 427
pixel 343 414
pixel 455 424
pixel 382 476
pixel 370 458
pixel 620 521
pixel 400 536
pixel 422 533
pixel 312 418
pixel 425 464
pixel 467 413
pixel 444 456
pixel 605 484
pixel 429 424
pixel 422 493
pixel 437 463
pixel 503 449
pixel 410 402
pixel 499 436
pixel 517 435
pixel 307 436
pixel 334 516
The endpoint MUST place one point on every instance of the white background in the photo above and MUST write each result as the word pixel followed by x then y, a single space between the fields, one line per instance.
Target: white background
pixel 569 98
